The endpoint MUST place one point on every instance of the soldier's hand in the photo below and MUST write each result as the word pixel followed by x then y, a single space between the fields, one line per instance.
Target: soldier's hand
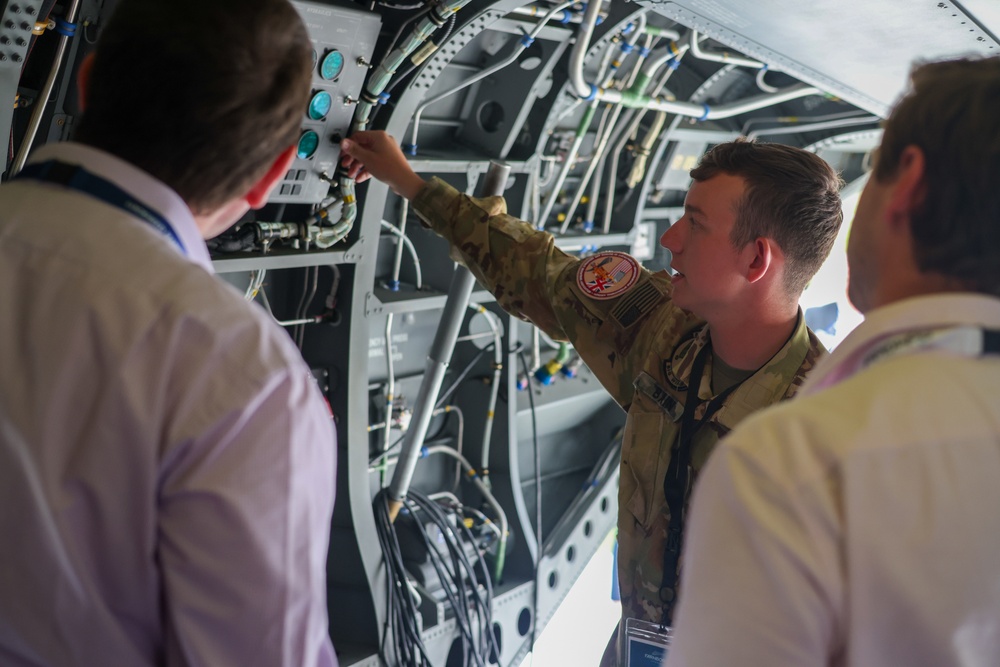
pixel 375 153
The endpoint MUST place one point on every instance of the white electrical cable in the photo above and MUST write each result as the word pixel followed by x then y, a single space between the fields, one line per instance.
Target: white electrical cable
pixel 419 280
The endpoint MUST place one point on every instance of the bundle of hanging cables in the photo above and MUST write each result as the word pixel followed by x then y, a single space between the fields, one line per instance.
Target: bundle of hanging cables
pixel 466 585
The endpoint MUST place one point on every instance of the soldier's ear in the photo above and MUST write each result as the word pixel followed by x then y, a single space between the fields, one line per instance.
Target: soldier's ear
pixel 761 255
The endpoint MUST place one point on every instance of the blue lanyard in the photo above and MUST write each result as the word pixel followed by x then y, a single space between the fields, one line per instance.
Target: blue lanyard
pixel 77 178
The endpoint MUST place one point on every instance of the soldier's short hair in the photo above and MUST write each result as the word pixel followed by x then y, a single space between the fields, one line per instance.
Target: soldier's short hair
pixel 202 95
pixel 952 113
pixel 792 196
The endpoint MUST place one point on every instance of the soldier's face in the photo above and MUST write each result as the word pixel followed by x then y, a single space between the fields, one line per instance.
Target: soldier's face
pixel 708 271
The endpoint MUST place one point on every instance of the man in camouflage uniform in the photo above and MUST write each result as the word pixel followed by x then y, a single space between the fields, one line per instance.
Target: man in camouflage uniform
pixel 759 221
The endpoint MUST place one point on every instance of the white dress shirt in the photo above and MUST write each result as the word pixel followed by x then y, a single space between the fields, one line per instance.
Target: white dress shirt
pixel 858 524
pixel 166 459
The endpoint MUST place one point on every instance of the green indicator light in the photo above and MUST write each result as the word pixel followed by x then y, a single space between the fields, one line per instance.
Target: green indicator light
pixel 332 65
pixel 308 143
pixel 319 105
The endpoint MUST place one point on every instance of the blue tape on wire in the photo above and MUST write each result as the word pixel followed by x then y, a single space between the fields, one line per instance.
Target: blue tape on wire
pixel 383 98
pixel 65 28
pixel 527 40
pixel 708 110
pixel 593 93
pixel 567 16
pixel 644 52
pixel 410 149
pixel 629 28
pixel 627 48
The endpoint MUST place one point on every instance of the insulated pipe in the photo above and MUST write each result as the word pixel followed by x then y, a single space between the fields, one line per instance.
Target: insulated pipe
pixel 494 387
pixel 631 98
pixel 721 57
pixel 43 96
pixel 634 97
pixel 633 125
pixel 437 360
pixel 418 280
pixel 607 124
pixel 808 127
pixel 567 165
pixel 397 262
pixel 580 86
pixel 390 390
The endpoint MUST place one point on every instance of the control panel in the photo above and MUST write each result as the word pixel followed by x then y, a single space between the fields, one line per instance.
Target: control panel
pixel 343 41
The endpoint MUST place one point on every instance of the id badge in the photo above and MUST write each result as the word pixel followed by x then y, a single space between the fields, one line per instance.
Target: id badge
pixel 646 643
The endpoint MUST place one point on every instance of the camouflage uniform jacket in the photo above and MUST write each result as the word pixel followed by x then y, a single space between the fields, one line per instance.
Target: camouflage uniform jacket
pixel 639 345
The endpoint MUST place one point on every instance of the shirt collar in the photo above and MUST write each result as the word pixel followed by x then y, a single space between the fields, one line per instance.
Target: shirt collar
pixel 149 190
pixel 912 314
pixel 764 387
pixel 770 383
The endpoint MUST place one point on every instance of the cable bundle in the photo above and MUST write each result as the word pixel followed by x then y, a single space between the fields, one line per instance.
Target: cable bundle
pixel 471 603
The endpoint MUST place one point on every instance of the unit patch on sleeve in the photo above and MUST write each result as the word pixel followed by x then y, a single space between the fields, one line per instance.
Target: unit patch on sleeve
pixel 607 275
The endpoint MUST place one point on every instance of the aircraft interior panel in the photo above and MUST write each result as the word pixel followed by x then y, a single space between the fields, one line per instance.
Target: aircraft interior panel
pixel 494 438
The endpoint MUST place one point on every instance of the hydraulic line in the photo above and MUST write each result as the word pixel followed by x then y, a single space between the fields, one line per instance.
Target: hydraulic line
pixel 398 259
pixel 810 127
pixel 603 135
pixel 390 390
pixel 494 388
pixel 723 57
pixel 404 241
pixel 437 360
pixel 373 94
pixel 634 97
pixel 66 29
pixel 526 41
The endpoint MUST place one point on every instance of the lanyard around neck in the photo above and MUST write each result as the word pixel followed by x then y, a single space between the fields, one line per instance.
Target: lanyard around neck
pixel 678 475
pixel 969 341
pixel 81 180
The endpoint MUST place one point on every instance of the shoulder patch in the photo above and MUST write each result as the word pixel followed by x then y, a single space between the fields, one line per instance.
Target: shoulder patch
pixel 607 275
pixel 640 301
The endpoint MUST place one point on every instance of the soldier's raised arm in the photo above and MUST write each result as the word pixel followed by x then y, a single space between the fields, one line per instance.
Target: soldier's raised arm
pixel 594 302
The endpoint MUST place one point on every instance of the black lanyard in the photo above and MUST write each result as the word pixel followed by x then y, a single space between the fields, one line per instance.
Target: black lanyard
pixel 77 178
pixel 678 476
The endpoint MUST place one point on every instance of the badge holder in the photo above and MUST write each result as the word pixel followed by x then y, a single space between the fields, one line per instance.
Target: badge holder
pixel 646 643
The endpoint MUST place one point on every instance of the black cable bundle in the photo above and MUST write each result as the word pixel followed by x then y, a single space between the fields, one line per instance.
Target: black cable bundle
pixel 473 608
pixel 401 616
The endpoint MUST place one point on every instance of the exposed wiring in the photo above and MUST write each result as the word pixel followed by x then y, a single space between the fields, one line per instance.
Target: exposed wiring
pixel 811 127
pixel 460 578
pixel 784 120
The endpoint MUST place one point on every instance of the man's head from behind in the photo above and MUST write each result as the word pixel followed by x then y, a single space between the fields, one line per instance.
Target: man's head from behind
pixel 202 95
pixel 792 196
pixel 946 131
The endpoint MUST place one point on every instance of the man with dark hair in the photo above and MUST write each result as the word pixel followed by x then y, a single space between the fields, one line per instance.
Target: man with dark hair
pixel 166 459
pixel 857 524
pixel 687 356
